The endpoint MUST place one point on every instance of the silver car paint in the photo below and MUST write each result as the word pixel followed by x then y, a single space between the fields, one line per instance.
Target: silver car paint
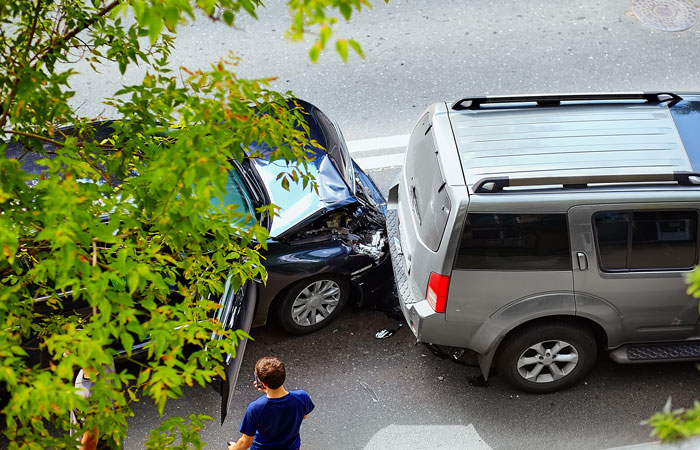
pixel 573 139
pixel 483 306
pixel 651 305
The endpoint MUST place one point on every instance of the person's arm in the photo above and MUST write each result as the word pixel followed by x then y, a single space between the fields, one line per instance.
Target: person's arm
pixel 243 443
pixel 309 405
pixel 89 440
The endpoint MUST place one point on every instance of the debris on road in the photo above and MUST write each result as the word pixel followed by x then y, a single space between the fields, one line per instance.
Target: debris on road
pixel 386 333
pixel 375 397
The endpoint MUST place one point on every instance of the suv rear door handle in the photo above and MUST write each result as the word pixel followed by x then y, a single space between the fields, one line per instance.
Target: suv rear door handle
pixel 582 261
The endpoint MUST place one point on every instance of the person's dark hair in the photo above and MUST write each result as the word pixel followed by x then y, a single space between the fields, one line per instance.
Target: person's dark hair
pixel 271 371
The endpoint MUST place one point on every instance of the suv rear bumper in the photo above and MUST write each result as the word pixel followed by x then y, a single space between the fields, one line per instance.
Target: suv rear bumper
pixel 424 322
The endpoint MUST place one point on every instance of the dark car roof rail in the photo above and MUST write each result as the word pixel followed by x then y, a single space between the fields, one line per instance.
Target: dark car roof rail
pixel 497 184
pixel 556 99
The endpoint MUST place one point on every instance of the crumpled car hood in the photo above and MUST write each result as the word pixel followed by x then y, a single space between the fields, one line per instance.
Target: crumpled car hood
pixel 299 205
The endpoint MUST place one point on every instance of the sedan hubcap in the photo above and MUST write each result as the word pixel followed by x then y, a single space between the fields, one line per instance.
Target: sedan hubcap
pixel 547 361
pixel 315 302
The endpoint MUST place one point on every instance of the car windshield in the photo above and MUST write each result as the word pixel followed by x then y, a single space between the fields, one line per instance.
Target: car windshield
pixel 238 196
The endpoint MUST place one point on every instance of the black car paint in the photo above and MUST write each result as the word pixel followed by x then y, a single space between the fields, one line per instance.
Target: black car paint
pixel 291 257
pixel 287 264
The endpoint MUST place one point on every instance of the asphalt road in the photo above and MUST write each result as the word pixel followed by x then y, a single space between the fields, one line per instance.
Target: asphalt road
pixel 423 401
pixel 420 52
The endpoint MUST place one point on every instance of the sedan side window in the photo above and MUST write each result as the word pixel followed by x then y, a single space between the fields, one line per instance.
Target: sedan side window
pixel 647 240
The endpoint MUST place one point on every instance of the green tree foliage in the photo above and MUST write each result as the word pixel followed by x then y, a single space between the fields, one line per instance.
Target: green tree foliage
pixel 672 425
pixel 154 176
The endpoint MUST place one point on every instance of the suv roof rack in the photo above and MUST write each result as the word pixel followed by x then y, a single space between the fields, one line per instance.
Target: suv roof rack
pixel 496 184
pixel 556 99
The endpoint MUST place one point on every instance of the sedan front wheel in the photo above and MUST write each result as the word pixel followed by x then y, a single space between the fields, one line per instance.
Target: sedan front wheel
pixel 311 304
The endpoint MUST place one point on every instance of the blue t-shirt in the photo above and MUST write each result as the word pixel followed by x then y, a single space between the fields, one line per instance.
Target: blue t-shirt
pixel 275 422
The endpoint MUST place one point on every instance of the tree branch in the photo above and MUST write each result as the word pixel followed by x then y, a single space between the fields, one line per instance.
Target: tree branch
pixel 34 22
pixel 55 43
pixel 82 155
pixel 10 98
pixel 102 173
pixel 51 47
pixel 51 141
pixel 35 136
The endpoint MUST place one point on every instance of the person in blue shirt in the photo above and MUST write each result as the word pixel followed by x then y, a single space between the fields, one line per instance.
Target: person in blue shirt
pixel 272 421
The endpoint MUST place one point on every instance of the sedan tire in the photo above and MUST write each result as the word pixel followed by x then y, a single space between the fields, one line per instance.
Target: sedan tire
pixel 547 357
pixel 311 304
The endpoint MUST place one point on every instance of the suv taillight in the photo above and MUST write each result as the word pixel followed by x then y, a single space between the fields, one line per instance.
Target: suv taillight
pixel 437 291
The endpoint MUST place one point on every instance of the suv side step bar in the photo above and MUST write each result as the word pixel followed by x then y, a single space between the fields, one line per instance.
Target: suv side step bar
pixel 669 351
pixel 556 99
pixel 496 184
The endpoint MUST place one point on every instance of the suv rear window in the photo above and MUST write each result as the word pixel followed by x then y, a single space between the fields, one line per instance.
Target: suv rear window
pixel 647 240
pixel 427 195
pixel 514 242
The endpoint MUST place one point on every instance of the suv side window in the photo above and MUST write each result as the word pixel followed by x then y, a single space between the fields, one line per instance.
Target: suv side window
pixel 646 240
pixel 514 242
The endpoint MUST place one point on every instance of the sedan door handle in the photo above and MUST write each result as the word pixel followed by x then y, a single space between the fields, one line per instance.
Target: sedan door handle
pixel 582 261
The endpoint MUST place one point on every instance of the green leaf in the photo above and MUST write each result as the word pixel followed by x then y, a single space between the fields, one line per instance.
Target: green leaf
pixel 133 281
pixel 171 16
pixel 314 52
pixel 249 7
pixel 342 47
pixel 228 17
pixel 356 46
pixel 127 341
pixel 299 21
pixel 345 10
pixel 242 334
pixel 155 27
pixel 325 34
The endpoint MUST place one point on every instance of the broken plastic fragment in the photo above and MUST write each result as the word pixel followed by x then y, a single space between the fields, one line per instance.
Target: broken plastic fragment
pixel 383 334
pixel 373 394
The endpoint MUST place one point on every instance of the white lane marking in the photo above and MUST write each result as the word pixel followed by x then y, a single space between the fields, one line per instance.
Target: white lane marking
pixel 380 162
pixel 380 143
pixel 437 437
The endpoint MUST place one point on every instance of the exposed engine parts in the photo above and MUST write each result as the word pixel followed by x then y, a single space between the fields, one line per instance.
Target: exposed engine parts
pixel 376 249
pixel 354 225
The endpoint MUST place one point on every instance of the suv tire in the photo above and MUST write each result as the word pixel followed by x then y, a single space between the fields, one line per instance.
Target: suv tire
pixel 311 304
pixel 547 357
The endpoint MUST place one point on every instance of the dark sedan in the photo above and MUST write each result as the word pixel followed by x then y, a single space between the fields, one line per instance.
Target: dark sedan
pixel 326 247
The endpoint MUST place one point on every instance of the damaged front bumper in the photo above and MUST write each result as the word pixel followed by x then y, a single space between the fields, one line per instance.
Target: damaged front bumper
pixel 373 279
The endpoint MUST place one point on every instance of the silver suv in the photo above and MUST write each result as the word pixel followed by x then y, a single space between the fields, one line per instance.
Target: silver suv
pixel 538 230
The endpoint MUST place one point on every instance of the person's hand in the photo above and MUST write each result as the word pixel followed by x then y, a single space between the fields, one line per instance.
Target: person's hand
pixel 259 386
pixel 242 444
